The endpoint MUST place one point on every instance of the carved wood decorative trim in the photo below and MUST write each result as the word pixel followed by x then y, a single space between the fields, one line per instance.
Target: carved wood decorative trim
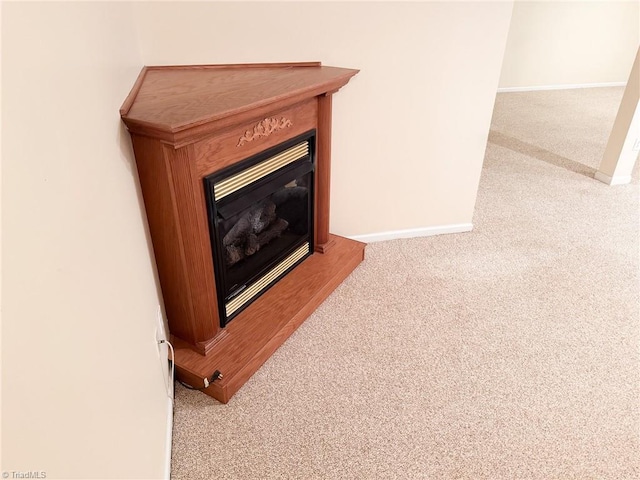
pixel 264 128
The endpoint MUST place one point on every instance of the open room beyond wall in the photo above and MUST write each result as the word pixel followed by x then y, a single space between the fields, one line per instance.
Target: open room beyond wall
pixel 555 44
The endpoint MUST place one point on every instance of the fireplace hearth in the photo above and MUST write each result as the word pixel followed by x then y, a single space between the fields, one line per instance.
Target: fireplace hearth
pixel 234 163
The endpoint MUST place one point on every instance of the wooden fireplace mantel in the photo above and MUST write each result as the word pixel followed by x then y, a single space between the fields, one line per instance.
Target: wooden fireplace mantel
pixel 179 104
pixel 187 122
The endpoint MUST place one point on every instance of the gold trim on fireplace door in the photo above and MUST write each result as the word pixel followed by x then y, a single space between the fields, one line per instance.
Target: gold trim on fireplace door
pixel 261 284
pixel 262 169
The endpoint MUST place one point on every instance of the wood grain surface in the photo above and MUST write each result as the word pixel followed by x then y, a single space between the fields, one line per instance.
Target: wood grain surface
pixel 174 103
pixel 259 330
pixel 222 150
pixel 323 175
pixel 177 99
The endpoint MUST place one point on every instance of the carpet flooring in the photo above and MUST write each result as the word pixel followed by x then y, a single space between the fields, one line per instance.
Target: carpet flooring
pixel 510 352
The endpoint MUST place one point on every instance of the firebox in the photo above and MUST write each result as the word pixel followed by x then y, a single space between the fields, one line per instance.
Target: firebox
pixel 260 215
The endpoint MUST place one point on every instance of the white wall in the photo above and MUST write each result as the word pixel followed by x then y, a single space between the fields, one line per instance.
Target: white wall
pixel 409 130
pixel 579 42
pixel 83 391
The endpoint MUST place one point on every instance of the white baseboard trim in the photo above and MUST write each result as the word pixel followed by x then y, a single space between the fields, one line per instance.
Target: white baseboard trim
pixel 169 440
pixel 620 180
pixel 414 232
pixel 560 87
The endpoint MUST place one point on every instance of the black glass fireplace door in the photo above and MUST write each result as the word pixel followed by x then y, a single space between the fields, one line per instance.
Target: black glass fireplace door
pixel 263 228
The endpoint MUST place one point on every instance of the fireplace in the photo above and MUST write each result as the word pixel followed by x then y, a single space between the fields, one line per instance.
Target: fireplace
pixel 234 163
pixel 260 220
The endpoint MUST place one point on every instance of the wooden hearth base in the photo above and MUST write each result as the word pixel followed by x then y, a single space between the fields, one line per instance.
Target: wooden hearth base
pixel 252 337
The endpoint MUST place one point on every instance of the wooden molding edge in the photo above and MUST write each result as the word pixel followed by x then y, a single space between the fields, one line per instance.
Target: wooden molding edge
pixel 214 66
pixel 128 102
pixel 210 344
pixel 203 348
pixel 325 247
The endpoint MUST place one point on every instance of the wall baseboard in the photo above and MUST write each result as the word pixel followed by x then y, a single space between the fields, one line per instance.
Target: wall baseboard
pixel 561 87
pixel 619 180
pixel 169 440
pixel 414 232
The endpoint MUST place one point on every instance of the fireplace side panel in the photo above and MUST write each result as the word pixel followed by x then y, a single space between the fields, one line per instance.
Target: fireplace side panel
pixel 161 180
pixel 157 191
pixel 195 250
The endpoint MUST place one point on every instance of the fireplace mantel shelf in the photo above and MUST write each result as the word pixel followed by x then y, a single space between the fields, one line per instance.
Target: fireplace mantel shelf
pixel 191 122
pixel 177 99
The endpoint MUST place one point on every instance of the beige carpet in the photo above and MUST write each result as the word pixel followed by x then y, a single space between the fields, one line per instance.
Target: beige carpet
pixel 511 352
